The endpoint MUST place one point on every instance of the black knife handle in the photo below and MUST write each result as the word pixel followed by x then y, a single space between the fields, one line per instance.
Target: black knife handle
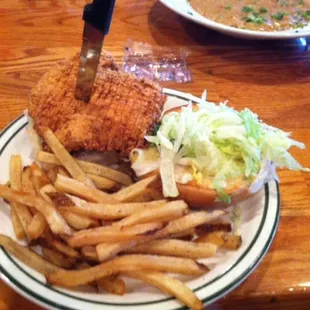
pixel 99 14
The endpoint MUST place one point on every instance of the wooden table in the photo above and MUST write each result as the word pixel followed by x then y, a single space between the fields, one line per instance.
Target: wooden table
pixel 272 78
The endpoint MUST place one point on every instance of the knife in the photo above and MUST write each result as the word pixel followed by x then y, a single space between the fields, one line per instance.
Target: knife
pixel 97 17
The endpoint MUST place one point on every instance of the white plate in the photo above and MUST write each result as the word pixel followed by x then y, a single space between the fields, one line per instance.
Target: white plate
pixel 183 8
pixel 260 215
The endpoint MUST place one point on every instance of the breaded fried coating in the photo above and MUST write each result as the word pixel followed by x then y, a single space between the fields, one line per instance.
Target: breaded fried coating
pixel 121 111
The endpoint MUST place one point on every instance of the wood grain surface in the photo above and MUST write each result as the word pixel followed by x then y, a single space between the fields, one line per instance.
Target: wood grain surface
pixel 271 78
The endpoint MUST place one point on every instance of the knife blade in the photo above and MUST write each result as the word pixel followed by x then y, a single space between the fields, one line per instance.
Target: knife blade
pixel 97 17
pixel 89 60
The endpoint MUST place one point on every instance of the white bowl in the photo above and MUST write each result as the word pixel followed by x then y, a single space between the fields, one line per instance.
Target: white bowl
pixel 183 8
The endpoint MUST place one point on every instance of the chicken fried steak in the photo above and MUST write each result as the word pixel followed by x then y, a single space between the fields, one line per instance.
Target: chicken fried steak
pixel 121 111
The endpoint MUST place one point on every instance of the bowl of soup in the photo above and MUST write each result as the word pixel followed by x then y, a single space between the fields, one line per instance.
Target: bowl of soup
pixel 251 19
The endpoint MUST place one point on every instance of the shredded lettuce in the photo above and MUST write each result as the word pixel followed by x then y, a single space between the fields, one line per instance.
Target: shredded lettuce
pixel 220 144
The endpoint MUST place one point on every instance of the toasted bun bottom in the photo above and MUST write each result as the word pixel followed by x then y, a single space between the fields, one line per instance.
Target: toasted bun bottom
pixel 197 196
pixel 200 197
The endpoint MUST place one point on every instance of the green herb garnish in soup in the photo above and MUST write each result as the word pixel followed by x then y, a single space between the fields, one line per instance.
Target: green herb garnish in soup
pixel 259 15
pixel 279 15
pixel 263 10
pixel 247 9
pixel 306 14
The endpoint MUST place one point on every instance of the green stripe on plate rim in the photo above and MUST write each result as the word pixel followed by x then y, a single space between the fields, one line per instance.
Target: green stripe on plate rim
pixel 214 296
pixel 228 288
pixel 209 299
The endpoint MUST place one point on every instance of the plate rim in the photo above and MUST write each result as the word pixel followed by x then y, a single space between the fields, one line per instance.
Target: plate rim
pixel 209 299
pixel 196 17
pixel 13 282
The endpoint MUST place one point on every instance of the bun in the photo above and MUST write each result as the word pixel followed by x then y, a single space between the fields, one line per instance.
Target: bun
pixel 203 197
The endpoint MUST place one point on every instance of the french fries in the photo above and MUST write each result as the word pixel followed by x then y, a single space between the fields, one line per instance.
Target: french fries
pixel 112 234
pixel 27 256
pixel 99 181
pixel 74 220
pixel 174 247
pixel 178 226
pixel 27 185
pixel 127 194
pixel 16 168
pixel 188 234
pixel 116 211
pixel 221 239
pixel 53 218
pixel 62 207
pixel 217 226
pixel 113 285
pixel 77 201
pixel 168 285
pixel 21 211
pixel 64 172
pixel 65 158
pixel 64 249
pixel 167 212
pixel 74 187
pixel 104 183
pixel 77 221
pixel 52 174
pixel 232 242
pixel 60 199
pixel 45 191
pixel 90 168
pixel 17 225
pixel 189 221
pixel 38 178
pixel 149 194
pixel 37 226
pixel 89 252
pixel 57 258
pixel 126 263
pixel 105 251
pixel 213 227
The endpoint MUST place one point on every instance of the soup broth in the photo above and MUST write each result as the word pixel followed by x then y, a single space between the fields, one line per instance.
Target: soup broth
pixel 262 15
